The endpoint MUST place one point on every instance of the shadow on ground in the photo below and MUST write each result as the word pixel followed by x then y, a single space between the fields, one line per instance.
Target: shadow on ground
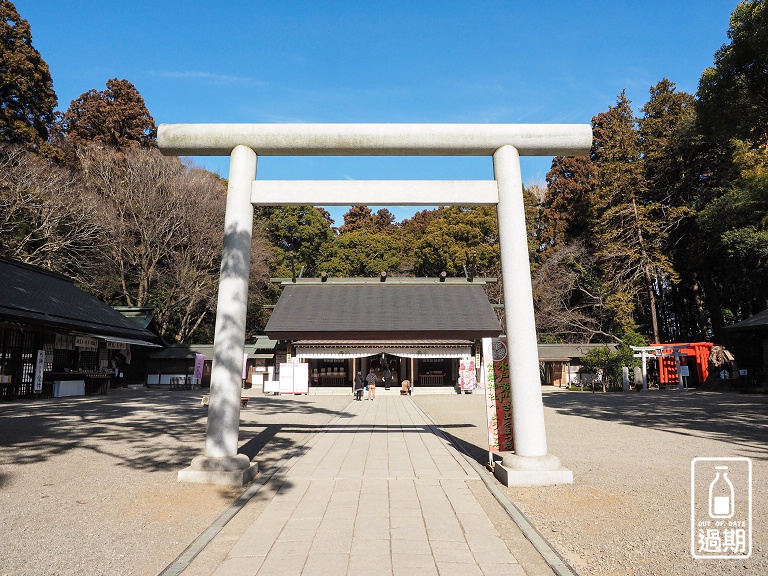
pixel 723 416
pixel 727 417
pixel 151 431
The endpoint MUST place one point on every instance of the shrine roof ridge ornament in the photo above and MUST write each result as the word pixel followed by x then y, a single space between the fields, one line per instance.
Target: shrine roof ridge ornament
pixel 374 139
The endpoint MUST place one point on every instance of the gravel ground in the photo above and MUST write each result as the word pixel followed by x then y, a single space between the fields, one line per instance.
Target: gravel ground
pixel 88 485
pixel 628 511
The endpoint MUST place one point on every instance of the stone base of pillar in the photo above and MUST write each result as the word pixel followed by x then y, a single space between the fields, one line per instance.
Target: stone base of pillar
pixel 228 470
pixel 513 470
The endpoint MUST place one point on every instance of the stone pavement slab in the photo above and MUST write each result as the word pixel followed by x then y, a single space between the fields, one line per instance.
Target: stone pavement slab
pixel 376 492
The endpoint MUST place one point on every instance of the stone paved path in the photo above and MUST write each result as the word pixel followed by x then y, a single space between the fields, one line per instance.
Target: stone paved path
pixel 377 492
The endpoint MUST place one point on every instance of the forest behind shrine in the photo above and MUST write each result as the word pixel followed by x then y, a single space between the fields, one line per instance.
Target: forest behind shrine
pixel 660 235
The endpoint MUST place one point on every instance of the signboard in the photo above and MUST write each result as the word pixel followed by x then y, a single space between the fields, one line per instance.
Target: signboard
pixel 498 396
pixel 64 342
pixel 294 378
pixel 199 363
pixel 301 378
pixel 286 378
pixel 467 374
pixel 86 343
pixel 684 370
pixel 271 386
pixel 39 369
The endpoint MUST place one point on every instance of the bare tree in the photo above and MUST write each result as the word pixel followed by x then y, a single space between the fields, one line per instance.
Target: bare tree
pixel 568 307
pixel 164 224
pixel 46 218
pixel 142 204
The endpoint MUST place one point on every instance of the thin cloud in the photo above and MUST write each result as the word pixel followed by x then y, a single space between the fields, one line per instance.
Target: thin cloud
pixel 208 77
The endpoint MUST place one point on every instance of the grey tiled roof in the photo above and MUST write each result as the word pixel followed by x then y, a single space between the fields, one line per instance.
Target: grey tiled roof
pixel 383 311
pixel 184 351
pixel 566 352
pixel 756 322
pixel 32 295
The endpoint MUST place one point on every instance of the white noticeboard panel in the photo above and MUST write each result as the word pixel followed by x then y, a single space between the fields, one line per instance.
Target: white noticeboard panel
pixel 271 386
pixel 684 371
pixel 294 378
pixel 301 378
pixel 286 378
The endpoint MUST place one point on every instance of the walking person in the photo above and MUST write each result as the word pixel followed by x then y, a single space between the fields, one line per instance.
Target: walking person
pixel 371 380
pixel 387 376
pixel 359 385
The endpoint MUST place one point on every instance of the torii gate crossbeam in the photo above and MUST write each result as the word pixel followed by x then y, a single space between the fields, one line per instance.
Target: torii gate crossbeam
pixel 530 463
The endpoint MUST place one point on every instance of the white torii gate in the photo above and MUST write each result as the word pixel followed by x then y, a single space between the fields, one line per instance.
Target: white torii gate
pixel 530 463
pixel 657 351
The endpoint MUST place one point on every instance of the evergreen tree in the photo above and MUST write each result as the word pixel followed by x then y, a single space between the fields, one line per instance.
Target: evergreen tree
pixel 116 117
pixel 27 98
pixel 736 228
pixel 664 166
pixel 732 94
pixel 363 253
pixel 299 236
pixel 457 238
pixel 670 190
pixel 628 232
pixel 358 217
pixel 567 208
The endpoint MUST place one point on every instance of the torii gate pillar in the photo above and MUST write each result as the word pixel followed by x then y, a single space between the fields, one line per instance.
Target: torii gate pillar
pixel 530 464
pixel 221 464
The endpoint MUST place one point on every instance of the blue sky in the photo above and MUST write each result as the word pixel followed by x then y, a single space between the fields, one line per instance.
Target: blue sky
pixel 513 61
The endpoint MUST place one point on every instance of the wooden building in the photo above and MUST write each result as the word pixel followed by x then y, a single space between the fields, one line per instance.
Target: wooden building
pixel 57 340
pixel 419 328
pixel 748 340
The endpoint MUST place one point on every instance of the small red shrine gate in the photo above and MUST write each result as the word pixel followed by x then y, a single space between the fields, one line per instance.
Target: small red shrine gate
pixel 694 355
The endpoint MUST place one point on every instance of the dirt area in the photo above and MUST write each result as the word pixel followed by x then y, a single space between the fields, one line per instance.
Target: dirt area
pixel 88 485
pixel 628 511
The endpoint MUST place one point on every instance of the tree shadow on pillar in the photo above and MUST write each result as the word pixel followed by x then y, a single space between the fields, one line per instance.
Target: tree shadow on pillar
pixel 226 375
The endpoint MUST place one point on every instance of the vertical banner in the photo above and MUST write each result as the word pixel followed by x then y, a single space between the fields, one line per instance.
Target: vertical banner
pixel 467 374
pixel 498 396
pixel 199 363
pixel 245 365
pixel 39 369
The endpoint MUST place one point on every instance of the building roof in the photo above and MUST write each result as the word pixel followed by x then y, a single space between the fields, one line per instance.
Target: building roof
pixel 141 315
pixel 567 352
pixel 756 322
pixel 376 310
pixel 188 351
pixel 32 295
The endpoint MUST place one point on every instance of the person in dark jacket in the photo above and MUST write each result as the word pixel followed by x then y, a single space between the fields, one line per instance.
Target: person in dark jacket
pixel 359 385
pixel 387 377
